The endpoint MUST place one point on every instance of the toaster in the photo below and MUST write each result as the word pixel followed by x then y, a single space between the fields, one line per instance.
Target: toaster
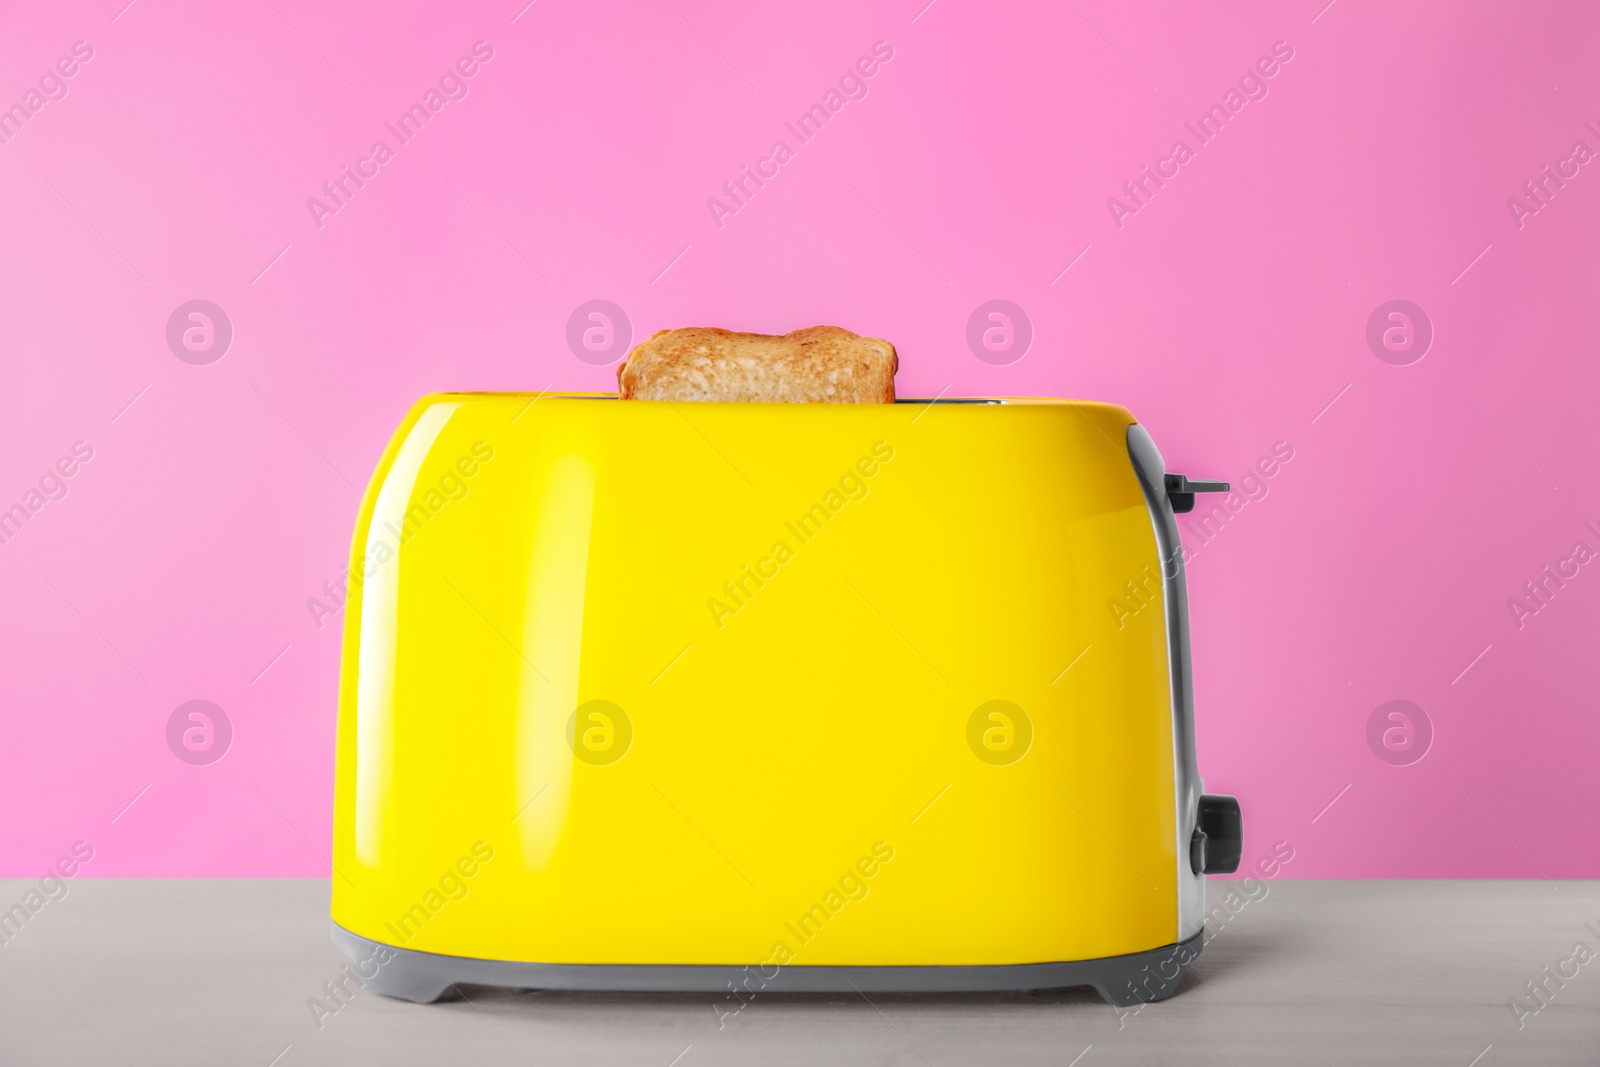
pixel 750 698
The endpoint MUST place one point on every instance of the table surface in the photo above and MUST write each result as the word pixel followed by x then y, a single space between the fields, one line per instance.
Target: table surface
pixel 176 972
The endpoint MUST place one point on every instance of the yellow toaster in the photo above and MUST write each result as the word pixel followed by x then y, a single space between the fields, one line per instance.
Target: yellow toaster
pixel 747 698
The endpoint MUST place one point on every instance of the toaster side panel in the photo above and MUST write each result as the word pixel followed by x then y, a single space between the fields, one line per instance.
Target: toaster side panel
pixel 1151 469
pixel 643 683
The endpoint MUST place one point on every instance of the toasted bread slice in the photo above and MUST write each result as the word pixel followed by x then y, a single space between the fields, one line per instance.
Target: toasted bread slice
pixel 817 365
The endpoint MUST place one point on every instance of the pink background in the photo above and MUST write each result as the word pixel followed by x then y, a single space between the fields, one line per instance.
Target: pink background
pixel 1226 314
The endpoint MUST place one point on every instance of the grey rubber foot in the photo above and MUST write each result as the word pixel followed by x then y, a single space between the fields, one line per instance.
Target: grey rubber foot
pixel 1142 987
pixel 415 987
pixel 1154 978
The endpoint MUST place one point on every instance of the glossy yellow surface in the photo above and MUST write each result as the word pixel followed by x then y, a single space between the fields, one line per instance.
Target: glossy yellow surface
pixel 753 756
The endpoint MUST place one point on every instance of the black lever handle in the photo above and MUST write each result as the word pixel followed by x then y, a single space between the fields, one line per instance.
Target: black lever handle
pixel 1181 490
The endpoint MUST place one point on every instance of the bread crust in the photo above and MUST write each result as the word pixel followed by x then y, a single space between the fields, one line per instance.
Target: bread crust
pixel 816 365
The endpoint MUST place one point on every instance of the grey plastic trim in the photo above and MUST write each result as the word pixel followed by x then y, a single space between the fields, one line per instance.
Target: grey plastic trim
pixel 1152 469
pixel 424 977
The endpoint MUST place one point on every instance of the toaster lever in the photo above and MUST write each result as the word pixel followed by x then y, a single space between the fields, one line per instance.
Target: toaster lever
pixel 1219 838
pixel 1181 490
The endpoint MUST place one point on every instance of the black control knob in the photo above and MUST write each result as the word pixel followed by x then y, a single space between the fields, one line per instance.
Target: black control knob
pixel 1218 836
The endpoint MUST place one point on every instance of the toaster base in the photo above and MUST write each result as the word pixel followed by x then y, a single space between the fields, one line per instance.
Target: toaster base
pixel 424 977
